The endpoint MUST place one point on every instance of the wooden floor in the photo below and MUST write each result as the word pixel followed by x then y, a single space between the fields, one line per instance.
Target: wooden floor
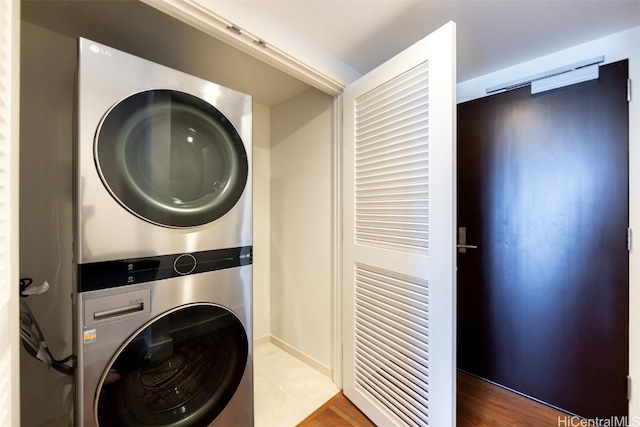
pixel 480 404
pixel 483 404
pixel 338 411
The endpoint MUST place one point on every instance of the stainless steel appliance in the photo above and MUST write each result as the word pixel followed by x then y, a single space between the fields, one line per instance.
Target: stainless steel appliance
pixel 163 246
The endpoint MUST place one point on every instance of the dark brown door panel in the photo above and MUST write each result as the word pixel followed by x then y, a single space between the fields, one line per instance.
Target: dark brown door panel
pixel 543 192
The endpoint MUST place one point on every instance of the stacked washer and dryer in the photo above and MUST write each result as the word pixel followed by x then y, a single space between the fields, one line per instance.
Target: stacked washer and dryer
pixel 163 246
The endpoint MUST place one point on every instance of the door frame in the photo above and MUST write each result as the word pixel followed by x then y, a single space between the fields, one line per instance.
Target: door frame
pixel 615 47
pixel 336 256
pixel 520 157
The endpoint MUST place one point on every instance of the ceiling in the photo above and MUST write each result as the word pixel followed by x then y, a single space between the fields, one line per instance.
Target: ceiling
pixel 356 35
pixel 491 34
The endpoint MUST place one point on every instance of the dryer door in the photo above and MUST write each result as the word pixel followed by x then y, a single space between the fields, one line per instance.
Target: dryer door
pixel 181 369
pixel 171 158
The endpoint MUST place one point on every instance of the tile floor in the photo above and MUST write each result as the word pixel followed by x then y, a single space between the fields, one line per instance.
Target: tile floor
pixel 286 390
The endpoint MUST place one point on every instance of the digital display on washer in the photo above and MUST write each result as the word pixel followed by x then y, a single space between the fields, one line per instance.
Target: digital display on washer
pixel 111 274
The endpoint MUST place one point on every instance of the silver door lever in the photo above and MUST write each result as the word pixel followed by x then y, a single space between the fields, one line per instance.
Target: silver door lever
pixel 462 240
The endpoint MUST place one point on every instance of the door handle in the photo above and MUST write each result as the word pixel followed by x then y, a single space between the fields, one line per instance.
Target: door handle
pixel 467 247
pixel 462 241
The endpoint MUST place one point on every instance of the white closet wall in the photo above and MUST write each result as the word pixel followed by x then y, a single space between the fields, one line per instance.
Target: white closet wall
pixel 261 221
pixel 301 233
pixel 46 141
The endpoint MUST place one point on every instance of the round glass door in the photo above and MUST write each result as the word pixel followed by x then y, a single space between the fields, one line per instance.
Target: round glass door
pixel 171 158
pixel 182 369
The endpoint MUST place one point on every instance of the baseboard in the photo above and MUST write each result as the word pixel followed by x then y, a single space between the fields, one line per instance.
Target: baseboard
pixel 261 341
pixel 320 367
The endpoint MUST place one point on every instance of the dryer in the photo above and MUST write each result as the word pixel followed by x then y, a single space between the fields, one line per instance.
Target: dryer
pixel 163 246
pixel 163 160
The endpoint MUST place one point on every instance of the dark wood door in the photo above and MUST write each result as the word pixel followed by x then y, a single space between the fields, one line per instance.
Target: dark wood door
pixel 543 192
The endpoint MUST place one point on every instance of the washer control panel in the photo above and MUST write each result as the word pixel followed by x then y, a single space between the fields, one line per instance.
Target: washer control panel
pixel 185 264
pixel 110 274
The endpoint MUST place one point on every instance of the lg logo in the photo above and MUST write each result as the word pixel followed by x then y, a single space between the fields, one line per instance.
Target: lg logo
pixel 97 49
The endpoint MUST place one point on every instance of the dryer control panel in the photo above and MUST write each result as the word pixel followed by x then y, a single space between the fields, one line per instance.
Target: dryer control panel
pixel 111 274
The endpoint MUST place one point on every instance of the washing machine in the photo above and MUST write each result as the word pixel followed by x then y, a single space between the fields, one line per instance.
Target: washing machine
pixel 163 246
pixel 172 352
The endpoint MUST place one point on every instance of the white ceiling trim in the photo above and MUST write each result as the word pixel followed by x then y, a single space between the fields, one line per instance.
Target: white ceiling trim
pixel 202 17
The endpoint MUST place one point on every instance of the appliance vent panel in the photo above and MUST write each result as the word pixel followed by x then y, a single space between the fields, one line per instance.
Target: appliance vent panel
pixel 392 164
pixel 392 342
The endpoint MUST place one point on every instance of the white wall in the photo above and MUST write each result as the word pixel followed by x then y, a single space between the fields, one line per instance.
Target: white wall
pixel 9 212
pixel 614 48
pixel 301 233
pixel 48 64
pixel 261 221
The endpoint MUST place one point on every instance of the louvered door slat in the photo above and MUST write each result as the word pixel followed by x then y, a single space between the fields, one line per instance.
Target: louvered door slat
pixel 392 89
pixel 402 141
pixel 393 155
pixel 404 386
pixel 400 233
pixel 389 396
pixel 412 402
pixel 394 121
pixel 394 407
pixel 398 180
pixel 9 125
pixel 397 226
pixel 409 326
pixel 414 371
pixel 393 131
pixel 406 327
pixel 392 323
pixel 392 150
pixel 5 142
pixel 390 345
pixel 408 166
pixel 394 193
pixel 415 299
pixel 389 201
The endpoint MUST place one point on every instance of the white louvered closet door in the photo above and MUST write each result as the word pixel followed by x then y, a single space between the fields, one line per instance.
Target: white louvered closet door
pixel 399 237
pixel 9 93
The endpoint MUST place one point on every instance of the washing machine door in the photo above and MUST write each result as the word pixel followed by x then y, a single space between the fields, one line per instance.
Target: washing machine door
pixel 171 158
pixel 181 369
